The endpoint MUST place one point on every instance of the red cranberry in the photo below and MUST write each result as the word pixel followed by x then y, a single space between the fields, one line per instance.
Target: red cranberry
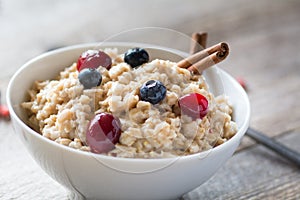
pixel 194 105
pixel 103 133
pixel 4 112
pixel 93 59
pixel 242 82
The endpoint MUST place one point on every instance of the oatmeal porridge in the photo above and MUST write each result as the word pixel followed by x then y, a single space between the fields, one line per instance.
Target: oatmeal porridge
pixel 121 104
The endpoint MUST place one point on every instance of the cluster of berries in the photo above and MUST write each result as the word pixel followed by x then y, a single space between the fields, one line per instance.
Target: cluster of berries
pixel 104 129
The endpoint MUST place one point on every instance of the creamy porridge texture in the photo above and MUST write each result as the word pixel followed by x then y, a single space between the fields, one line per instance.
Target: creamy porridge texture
pixel 124 105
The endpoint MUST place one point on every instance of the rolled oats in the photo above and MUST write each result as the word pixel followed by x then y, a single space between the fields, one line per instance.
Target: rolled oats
pixel 61 110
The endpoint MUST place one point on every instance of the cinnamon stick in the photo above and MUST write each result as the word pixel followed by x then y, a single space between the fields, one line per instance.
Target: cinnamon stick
pixel 208 57
pixel 198 42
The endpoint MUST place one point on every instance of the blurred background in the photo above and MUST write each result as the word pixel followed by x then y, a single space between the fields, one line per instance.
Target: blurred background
pixel 264 38
pixel 263 35
pixel 31 27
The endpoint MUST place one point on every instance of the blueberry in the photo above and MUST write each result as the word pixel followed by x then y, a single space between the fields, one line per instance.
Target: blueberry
pixel 153 91
pixel 89 78
pixel 136 57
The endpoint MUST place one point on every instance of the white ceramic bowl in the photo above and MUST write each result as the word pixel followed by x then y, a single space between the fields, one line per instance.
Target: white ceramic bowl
pixel 92 176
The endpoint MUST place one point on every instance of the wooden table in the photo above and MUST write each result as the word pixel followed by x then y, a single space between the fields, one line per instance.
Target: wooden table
pixel 264 37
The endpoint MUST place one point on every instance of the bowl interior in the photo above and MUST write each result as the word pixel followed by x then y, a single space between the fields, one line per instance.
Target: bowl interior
pixel 48 66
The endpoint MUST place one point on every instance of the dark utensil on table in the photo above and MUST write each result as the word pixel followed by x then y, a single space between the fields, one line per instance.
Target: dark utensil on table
pixel 277 147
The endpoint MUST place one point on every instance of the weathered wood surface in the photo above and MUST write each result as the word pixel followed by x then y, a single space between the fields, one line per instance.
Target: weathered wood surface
pixel 264 37
pixel 254 174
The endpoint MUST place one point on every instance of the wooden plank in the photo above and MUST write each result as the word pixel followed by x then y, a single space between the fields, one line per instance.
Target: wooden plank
pixel 256 173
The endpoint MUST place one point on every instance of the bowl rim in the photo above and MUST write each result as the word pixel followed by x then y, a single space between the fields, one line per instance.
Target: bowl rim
pixel 237 136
